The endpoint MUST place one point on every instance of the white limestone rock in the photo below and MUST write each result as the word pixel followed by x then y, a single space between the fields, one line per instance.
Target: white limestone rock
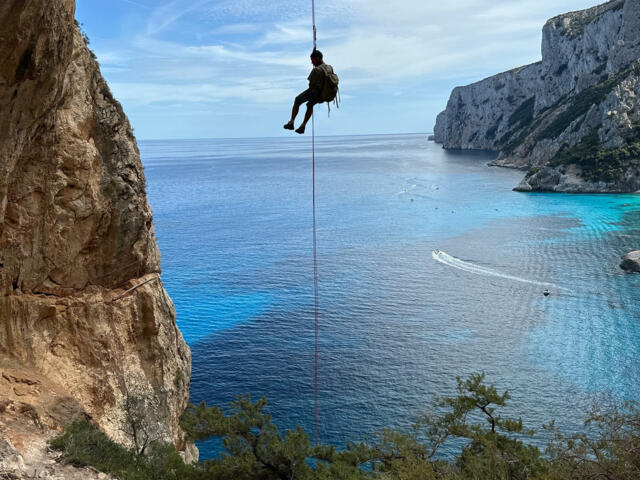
pixel 587 83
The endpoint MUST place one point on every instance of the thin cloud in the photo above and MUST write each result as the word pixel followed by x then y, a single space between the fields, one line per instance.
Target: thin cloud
pixel 256 52
pixel 163 93
pixel 137 4
pixel 171 12
pixel 369 44
pixel 237 29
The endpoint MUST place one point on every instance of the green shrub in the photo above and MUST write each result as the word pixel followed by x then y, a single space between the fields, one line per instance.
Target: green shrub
pixel 531 172
pixel 531 127
pixel 579 22
pixel 612 451
pixel 492 446
pixel 583 101
pixel 82 444
pixel 598 164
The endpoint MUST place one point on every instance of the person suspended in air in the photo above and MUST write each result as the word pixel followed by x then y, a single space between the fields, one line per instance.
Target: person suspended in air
pixel 323 87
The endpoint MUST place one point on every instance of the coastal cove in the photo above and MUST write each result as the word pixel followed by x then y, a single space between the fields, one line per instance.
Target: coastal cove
pixel 233 222
pixel 456 304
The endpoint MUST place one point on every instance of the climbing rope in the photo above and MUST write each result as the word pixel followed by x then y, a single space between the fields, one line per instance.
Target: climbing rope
pixel 313 19
pixel 315 284
pixel 315 256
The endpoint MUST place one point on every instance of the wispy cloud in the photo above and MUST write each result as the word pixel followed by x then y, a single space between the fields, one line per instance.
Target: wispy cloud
pixel 137 93
pixel 256 51
pixel 167 14
pixel 137 4
pixel 237 29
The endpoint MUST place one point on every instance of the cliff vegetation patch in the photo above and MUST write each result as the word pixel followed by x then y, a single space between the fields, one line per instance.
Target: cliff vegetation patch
pixel 598 164
pixel 83 445
pixel 580 105
pixel 489 445
pixel 579 22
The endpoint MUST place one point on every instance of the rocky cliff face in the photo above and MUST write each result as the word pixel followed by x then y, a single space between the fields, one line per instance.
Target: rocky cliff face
pixel 76 233
pixel 573 118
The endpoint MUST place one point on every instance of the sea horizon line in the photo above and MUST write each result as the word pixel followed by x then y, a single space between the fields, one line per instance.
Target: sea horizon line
pixel 281 137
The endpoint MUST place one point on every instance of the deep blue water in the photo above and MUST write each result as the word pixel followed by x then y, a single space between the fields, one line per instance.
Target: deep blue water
pixel 233 221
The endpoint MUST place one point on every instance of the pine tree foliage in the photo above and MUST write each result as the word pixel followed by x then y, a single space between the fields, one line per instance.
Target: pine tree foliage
pixel 491 446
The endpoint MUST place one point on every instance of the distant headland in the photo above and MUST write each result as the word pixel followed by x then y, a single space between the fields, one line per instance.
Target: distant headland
pixel 572 120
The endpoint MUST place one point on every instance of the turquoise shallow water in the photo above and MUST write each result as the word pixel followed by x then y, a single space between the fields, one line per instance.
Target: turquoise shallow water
pixel 233 220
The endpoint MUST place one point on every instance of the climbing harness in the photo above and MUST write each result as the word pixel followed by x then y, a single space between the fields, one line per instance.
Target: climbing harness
pixel 315 255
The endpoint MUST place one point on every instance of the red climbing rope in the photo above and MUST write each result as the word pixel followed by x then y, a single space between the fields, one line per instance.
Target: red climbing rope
pixel 315 284
pixel 315 256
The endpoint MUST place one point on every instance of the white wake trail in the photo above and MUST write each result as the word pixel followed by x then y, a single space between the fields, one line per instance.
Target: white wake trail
pixel 446 259
pixel 407 189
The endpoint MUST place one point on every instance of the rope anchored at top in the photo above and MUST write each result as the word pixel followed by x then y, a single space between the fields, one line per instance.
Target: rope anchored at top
pixel 313 19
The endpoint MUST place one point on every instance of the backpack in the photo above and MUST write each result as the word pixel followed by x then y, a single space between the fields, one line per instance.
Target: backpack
pixel 330 86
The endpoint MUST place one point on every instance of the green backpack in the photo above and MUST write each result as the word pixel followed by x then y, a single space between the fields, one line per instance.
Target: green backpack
pixel 330 86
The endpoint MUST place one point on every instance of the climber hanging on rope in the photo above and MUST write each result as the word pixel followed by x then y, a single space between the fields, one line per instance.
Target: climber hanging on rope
pixel 323 87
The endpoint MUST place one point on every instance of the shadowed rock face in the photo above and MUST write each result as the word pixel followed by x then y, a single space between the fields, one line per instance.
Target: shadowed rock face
pixel 75 233
pixel 544 115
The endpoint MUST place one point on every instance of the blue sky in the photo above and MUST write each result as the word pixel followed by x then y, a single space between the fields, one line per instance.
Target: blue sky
pixel 231 68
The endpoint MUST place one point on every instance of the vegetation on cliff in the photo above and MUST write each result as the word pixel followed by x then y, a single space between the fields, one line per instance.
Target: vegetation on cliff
pixel 587 81
pixel 579 20
pixel 569 111
pixel 490 446
pixel 583 101
pixel 598 164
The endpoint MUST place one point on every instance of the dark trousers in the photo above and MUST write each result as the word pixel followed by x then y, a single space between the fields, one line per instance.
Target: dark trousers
pixel 308 96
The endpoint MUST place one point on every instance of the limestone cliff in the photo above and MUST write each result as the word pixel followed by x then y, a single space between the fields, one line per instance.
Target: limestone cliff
pixel 572 119
pixel 76 233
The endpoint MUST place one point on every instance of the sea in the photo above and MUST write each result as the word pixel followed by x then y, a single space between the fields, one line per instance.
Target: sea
pixel 430 268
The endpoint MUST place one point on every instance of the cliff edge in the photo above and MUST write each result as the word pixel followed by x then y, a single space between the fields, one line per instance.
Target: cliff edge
pixel 572 119
pixel 84 318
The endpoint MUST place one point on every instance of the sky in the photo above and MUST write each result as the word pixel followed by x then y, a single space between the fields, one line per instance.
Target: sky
pixel 231 68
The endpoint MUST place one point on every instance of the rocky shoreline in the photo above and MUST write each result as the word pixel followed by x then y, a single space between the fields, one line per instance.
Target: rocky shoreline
pixel 573 119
